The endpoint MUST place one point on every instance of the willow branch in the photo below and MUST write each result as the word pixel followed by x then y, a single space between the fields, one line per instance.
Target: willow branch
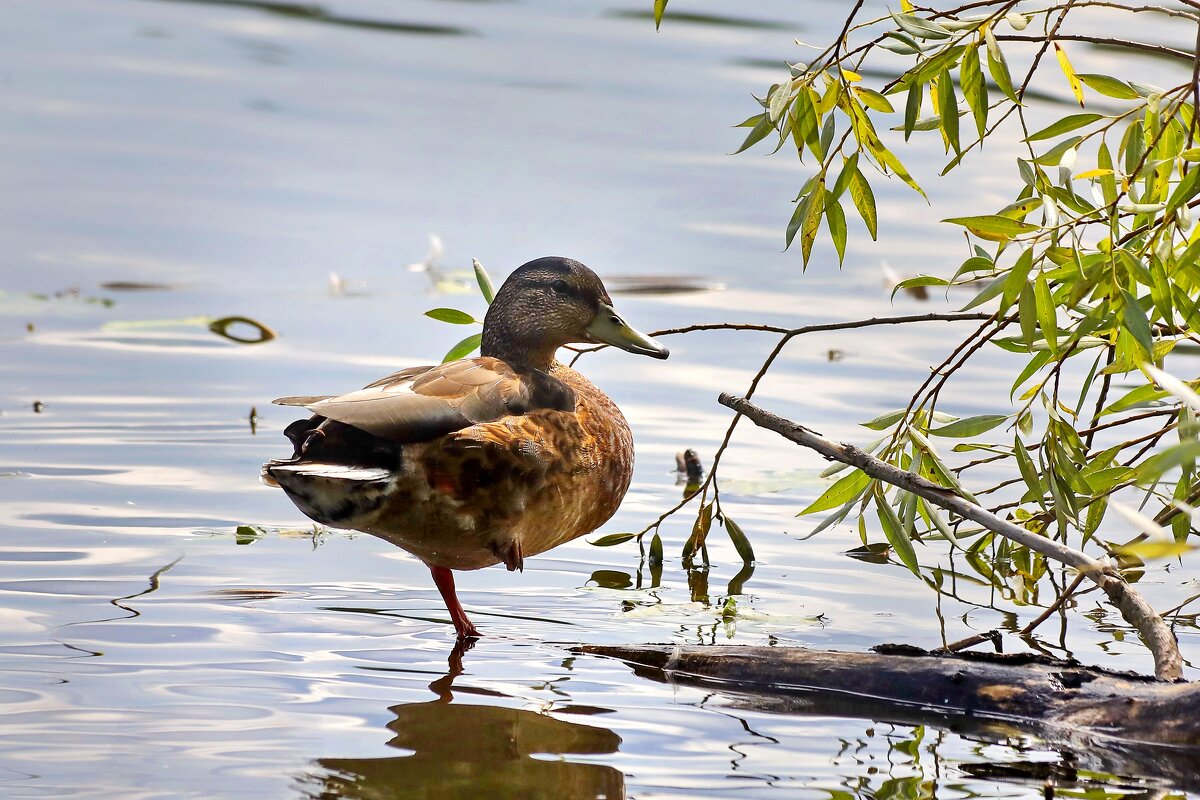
pixel 1168 664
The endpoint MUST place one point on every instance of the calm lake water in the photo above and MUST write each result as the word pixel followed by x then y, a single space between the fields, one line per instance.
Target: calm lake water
pixel 235 154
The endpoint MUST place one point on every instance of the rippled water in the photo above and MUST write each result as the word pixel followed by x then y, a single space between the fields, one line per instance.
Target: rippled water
pixel 235 154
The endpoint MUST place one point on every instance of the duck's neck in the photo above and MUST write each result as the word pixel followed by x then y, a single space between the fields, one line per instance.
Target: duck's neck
pixel 516 345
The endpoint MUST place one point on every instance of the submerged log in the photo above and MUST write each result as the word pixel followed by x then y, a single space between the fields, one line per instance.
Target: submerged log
pixel 1123 723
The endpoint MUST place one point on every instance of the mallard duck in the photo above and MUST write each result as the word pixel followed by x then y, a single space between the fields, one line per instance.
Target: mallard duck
pixel 484 460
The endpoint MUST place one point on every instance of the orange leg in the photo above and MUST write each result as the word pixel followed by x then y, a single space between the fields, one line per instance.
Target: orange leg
pixel 443 578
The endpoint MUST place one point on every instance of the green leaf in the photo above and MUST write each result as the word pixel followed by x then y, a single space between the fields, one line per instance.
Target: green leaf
pixel 660 6
pixel 612 539
pixel 873 100
pixel 993 226
pixel 486 287
pixel 1047 312
pixel 920 28
pixel 948 109
pixel 1137 324
pixel 970 77
pixel 656 551
pixel 757 134
pixel 1159 464
pixel 1027 309
pixel 1185 191
pixel 835 218
pixel 912 108
pixel 1065 125
pixel 740 542
pixel 451 315
pixel 463 348
pixel 864 201
pixel 993 289
pixel 971 426
pixel 844 490
pixel 998 68
pixel 1135 398
pixel 1107 86
pixel 812 221
pixel 918 280
pixel 885 421
pixel 896 535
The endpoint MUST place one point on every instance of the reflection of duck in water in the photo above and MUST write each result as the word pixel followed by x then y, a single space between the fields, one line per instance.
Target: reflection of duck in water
pixel 476 751
pixel 482 460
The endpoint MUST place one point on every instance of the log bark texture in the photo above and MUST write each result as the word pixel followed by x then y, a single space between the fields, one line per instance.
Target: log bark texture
pixel 1123 723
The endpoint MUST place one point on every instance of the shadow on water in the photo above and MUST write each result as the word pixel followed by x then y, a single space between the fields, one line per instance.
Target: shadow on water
pixel 462 750
pixel 315 13
pixel 719 20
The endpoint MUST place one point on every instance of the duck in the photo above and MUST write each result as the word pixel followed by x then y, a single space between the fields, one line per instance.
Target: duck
pixel 480 461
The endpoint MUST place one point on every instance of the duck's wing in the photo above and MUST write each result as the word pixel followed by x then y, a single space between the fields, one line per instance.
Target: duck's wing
pixel 422 403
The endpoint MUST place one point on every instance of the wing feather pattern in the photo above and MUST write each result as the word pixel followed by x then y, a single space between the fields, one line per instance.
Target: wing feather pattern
pixel 422 403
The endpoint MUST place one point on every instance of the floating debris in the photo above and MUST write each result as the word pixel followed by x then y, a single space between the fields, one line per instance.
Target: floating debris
pixel 834 355
pixel 253 420
pixel 341 287
pixel 221 327
pixel 661 284
pixel 38 407
pixel 135 286
pixel 29 327
pixel 455 281
pixel 690 471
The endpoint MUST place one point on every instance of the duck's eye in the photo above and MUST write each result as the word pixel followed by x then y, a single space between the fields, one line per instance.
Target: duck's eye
pixel 562 287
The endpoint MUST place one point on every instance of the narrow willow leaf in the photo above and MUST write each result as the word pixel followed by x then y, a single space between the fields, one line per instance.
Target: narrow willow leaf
pixel 1153 468
pixel 896 536
pixel 612 539
pixel 660 6
pixel 1108 86
pixel 919 280
pixel 843 180
pixel 1152 550
pixel 1039 360
pixel 451 315
pixel 998 68
pixel 812 222
pixel 1018 277
pixel 974 88
pixel 1184 191
pixel 935 516
pixel 1065 125
pixel 992 290
pixel 486 287
pixel 864 201
pixel 656 551
pixel 1137 324
pixel 971 426
pixel 884 421
pixel 889 160
pixel 835 218
pixel 740 542
pixel 1134 398
pixel 845 490
pixel 920 28
pixel 1027 309
pixel 463 348
pixel 948 109
pixel 873 99
pixel 912 108
pixel 695 542
pixel 993 227
pixel 757 134
pixel 1047 313
pixel 1069 71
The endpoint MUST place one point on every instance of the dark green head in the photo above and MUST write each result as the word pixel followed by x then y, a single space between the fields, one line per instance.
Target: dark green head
pixel 550 302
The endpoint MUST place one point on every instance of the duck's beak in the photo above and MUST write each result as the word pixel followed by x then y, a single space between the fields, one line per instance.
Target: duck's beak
pixel 608 328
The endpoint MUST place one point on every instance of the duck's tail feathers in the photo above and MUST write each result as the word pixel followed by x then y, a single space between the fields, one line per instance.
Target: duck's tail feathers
pixel 337 495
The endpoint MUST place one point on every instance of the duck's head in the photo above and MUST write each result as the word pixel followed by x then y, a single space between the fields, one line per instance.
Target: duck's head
pixel 550 302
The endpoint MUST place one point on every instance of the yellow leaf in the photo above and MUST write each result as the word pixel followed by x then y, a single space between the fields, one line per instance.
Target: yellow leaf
pixel 851 76
pixel 906 6
pixel 1069 71
pixel 1152 549
pixel 1093 173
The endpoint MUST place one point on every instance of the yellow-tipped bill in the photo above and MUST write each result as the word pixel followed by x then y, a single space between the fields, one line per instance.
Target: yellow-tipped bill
pixel 607 327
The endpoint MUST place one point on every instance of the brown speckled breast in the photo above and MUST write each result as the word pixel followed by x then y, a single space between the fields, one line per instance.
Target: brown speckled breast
pixel 501 491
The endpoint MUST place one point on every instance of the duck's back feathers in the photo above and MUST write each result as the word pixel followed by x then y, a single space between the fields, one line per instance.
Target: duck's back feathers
pixel 422 403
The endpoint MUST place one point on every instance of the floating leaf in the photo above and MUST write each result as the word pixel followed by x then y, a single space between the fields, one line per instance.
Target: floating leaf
pixel 222 327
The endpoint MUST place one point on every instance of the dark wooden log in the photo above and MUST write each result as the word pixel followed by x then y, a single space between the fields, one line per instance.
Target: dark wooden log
pixel 1115 722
